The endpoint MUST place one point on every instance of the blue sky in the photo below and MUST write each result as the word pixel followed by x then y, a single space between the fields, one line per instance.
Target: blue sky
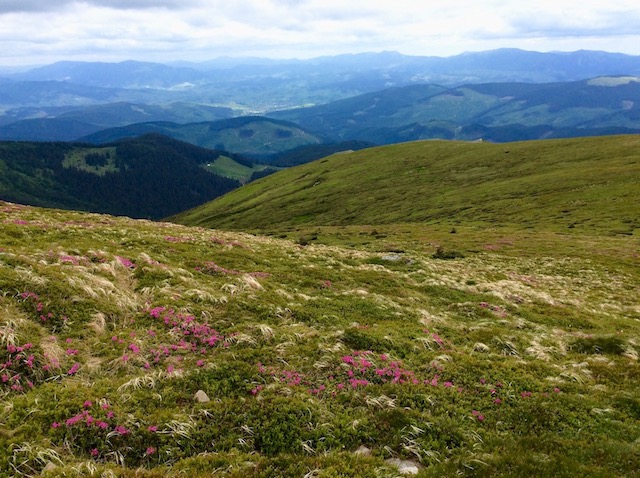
pixel 43 31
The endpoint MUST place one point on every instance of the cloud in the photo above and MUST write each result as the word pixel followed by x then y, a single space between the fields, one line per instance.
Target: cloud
pixel 163 30
pixel 15 6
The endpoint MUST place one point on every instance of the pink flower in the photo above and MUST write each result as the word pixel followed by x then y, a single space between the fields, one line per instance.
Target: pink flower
pixel 87 404
pixel 348 359
pixel 150 450
pixel 74 368
pixel 152 428
pixel 126 262
pixel 95 452
pixel 256 390
pixel 55 425
pixel 200 363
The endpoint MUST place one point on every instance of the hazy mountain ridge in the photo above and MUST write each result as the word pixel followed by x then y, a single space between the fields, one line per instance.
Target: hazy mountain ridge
pixel 247 135
pixel 495 111
pixel 265 85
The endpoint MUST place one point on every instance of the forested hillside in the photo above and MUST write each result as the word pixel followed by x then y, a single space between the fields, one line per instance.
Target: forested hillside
pixel 148 177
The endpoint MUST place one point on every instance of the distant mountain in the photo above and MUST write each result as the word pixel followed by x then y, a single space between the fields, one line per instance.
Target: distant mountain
pixel 14 94
pixel 122 114
pixel 494 111
pixel 126 74
pixel 260 85
pixel 67 124
pixel 148 177
pixel 592 184
pixel 250 135
pixel 46 129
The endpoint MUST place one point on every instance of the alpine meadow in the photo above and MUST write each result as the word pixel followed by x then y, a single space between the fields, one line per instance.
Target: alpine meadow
pixel 424 296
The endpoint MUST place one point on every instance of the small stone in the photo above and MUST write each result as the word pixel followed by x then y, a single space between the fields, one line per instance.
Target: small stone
pixel 252 282
pixel 393 257
pixel 363 450
pixel 201 397
pixel 50 466
pixel 406 467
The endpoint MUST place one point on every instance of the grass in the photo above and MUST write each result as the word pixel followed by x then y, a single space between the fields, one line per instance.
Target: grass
pixel 77 159
pixel 512 352
pixel 227 167
pixel 585 185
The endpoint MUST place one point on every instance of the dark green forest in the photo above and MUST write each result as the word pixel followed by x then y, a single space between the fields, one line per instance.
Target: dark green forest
pixel 154 177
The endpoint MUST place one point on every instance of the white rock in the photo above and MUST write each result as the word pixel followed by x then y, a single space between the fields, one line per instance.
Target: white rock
pixel 406 467
pixel 363 450
pixel 201 397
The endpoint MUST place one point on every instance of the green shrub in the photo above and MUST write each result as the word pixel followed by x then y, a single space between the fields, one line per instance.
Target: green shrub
pixel 609 345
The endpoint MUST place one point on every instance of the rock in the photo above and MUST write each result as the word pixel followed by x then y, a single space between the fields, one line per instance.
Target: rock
pixel 363 450
pixel 50 466
pixel 201 397
pixel 406 467
pixel 393 257
pixel 252 282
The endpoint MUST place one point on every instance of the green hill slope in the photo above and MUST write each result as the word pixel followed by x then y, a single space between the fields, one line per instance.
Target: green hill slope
pixel 585 183
pixel 250 135
pixel 131 348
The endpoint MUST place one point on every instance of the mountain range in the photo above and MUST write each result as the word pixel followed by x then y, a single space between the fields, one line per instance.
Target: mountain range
pixel 491 111
pixel 259 85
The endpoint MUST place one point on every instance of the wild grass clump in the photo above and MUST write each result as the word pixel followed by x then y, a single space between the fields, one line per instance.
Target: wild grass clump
pixel 442 253
pixel 609 345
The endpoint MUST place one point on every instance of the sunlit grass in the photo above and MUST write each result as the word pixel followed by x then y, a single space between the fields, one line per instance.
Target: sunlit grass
pixel 362 338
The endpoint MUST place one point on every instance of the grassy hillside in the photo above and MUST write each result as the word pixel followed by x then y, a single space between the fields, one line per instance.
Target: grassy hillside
pixel 231 168
pixel 584 184
pixel 519 359
pixel 250 135
pixel 437 308
pixel 149 177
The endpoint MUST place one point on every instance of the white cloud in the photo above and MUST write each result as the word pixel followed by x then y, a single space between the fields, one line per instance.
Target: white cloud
pixel 42 31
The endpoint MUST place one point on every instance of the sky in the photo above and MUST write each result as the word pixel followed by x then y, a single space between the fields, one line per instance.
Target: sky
pixel 35 32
